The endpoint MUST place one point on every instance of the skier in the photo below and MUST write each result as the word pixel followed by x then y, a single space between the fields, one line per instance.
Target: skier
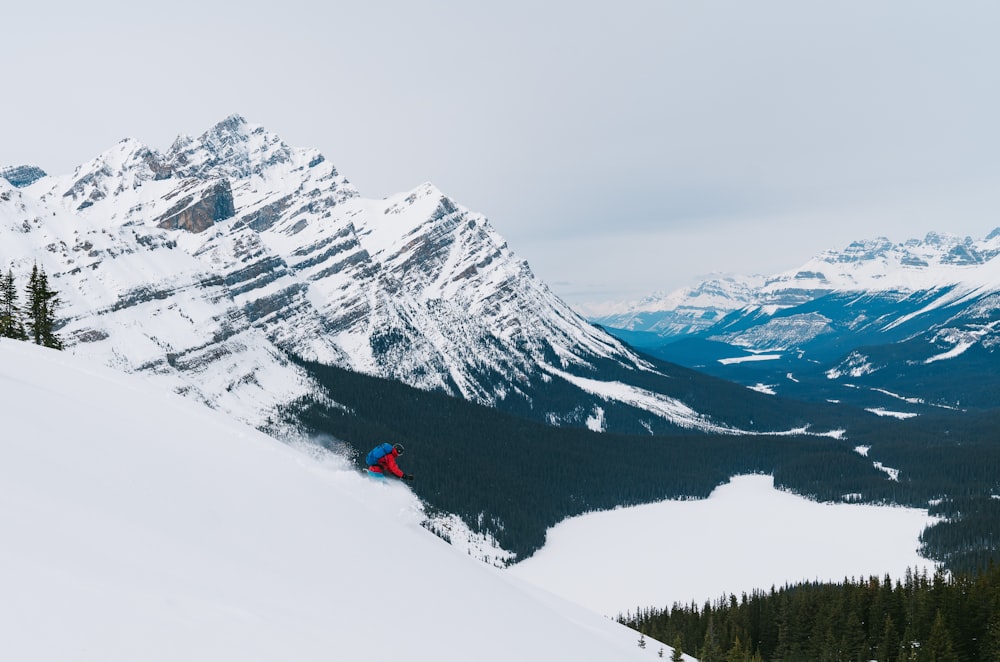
pixel 382 460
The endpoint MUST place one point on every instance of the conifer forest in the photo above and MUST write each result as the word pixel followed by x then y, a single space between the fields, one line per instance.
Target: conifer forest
pixel 917 618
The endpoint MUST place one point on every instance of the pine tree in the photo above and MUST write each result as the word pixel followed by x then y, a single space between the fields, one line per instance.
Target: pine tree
pixel 42 303
pixel 10 313
pixel 677 656
pixel 990 645
pixel 939 646
pixel 888 648
pixel 738 652
pixel 34 306
pixel 711 650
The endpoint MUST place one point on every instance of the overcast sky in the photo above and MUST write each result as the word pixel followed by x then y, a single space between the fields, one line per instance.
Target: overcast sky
pixel 621 147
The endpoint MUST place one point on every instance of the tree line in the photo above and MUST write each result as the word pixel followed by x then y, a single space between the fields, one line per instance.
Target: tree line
pixel 933 618
pixel 36 321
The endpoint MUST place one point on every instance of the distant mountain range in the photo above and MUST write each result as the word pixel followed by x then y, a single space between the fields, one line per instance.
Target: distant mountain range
pixel 895 327
pixel 205 267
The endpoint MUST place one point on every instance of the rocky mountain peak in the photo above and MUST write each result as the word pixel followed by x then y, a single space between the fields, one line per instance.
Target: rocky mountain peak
pixel 235 124
pixel 126 166
pixel 936 239
pixel 232 148
pixel 862 251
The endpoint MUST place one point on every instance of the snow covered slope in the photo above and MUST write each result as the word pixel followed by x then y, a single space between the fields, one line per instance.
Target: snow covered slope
pixel 138 525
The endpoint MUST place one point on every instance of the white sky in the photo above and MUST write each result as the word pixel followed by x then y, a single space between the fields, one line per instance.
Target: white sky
pixel 620 147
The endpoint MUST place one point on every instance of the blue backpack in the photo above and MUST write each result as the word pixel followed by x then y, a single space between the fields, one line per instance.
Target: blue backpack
pixel 377 453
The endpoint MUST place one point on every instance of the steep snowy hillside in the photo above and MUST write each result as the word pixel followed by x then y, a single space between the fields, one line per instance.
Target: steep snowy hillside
pixel 140 526
pixel 205 264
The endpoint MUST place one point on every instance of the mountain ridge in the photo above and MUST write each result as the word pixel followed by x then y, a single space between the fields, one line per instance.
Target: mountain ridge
pixel 937 260
pixel 207 264
pixel 862 320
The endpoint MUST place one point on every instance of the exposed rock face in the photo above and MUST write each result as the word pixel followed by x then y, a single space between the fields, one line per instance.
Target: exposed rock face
pixel 200 210
pixel 22 175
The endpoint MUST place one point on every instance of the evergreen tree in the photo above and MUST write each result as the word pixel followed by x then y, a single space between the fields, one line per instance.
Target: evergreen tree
pixel 10 313
pixel 853 642
pixel 677 656
pixel 711 650
pixel 42 303
pixel 991 643
pixel 738 652
pixel 888 648
pixel 939 646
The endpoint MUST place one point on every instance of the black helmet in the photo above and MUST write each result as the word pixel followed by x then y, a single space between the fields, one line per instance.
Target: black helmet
pixel 399 448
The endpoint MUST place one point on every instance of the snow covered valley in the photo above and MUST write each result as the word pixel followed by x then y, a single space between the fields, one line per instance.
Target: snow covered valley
pixel 747 535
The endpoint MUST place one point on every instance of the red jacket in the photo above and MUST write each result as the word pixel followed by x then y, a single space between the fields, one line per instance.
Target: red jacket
pixel 388 463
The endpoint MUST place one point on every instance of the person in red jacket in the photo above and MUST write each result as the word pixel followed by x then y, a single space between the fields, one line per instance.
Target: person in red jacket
pixel 387 465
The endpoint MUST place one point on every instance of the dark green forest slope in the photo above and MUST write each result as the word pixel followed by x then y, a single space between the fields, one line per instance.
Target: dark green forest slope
pixel 513 478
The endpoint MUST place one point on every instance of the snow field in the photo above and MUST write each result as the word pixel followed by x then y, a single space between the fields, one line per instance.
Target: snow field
pixel 139 525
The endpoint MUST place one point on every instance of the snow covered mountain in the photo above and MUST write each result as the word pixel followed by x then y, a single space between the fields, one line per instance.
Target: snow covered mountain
pixel 141 526
pixel 206 265
pixel 681 312
pixel 880 315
